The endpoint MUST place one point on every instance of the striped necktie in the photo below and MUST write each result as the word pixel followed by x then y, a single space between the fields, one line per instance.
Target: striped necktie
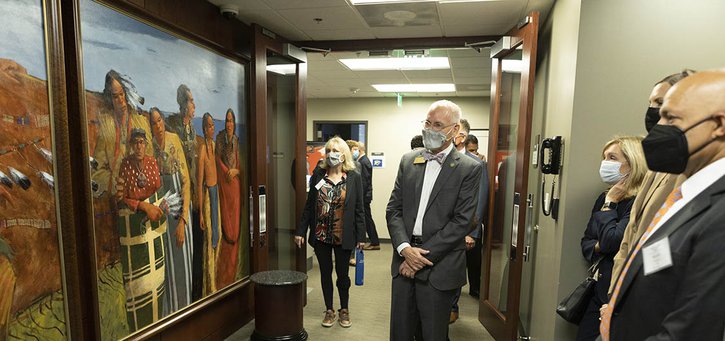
pixel 674 196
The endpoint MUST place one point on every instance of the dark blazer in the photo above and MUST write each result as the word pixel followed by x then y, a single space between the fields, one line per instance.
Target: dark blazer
pixel 684 301
pixel 482 206
pixel 367 178
pixel 606 228
pixel 353 221
pixel 447 219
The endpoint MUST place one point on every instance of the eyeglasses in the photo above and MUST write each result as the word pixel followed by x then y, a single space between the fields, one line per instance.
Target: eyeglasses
pixel 437 126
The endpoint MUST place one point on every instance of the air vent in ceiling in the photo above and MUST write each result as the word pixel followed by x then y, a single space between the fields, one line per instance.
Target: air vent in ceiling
pixel 398 15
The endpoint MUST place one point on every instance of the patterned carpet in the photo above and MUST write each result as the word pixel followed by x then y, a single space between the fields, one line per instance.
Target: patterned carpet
pixel 370 307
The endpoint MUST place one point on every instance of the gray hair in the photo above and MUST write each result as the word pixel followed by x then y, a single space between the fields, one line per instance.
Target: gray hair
pixel 182 95
pixel 452 109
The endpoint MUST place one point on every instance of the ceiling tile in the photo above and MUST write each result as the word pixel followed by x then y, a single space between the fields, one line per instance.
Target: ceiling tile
pixel 490 12
pixel 471 62
pixel 457 30
pixel 399 14
pixel 407 32
pixel 381 75
pixel 427 73
pixel 335 34
pixel 333 18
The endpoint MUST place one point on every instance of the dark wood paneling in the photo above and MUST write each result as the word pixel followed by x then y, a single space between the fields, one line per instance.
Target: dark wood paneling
pixel 73 173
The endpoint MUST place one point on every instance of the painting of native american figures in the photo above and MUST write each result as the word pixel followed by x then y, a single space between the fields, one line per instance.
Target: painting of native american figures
pixel 31 296
pixel 168 145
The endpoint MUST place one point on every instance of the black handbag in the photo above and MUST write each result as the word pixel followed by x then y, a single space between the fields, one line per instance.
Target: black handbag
pixel 573 306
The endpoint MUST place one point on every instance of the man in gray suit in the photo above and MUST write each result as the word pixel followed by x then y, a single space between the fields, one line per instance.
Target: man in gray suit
pixel 429 214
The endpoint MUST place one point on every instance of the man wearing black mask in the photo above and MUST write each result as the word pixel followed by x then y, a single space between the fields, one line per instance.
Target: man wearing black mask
pixel 655 186
pixel 671 285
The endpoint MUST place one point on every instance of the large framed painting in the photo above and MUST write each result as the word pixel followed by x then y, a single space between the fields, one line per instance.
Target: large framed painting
pixel 31 291
pixel 168 144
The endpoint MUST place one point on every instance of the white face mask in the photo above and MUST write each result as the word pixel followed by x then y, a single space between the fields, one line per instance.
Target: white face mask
pixel 334 158
pixel 609 172
pixel 434 139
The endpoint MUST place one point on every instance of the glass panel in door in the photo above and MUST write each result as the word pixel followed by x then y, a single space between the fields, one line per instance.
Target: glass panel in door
pixel 505 213
pixel 281 102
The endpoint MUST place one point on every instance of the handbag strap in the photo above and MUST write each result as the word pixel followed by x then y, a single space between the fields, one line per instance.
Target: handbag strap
pixel 593 269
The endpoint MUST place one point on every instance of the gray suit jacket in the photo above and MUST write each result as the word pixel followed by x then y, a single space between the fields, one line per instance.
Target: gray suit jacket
pixel 684 301
pixel 447 219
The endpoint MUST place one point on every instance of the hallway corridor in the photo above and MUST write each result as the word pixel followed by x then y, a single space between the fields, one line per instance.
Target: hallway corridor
pixel 370 307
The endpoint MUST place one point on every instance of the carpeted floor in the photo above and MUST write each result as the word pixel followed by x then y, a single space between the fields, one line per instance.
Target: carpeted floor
pixel 370 307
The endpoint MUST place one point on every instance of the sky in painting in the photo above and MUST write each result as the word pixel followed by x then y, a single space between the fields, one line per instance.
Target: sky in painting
pixel 22 38
pixel 157 63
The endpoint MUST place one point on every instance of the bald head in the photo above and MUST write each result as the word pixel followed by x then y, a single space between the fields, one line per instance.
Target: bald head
pixel 448 110
pixel 696 105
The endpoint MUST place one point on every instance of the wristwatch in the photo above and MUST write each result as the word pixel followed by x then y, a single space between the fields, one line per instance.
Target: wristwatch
pixel 609 206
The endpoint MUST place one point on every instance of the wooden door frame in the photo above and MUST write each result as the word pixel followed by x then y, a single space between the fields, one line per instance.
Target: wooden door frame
pixel 263 40
pixel 504 326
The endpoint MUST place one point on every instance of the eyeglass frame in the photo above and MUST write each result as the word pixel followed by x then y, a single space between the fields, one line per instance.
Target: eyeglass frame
pixel 428 124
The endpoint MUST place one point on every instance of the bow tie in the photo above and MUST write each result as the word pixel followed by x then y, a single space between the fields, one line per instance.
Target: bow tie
pixel 428 156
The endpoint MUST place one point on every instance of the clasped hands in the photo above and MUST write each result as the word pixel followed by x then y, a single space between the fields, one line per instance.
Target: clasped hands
pixel 414 261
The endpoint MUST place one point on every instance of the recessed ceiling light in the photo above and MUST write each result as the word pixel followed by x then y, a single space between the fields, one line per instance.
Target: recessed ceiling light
pixel 283 69
pixel 415 87
pixel 415 63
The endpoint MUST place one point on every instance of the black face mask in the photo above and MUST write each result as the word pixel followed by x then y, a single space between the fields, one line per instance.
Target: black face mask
pixel 665 148
pixel 651 119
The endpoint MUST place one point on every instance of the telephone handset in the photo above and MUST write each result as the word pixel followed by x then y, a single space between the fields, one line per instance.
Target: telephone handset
pixel 552 164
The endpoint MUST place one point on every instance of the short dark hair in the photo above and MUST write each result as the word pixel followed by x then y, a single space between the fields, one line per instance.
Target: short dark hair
pixel 465 125
pixel 416 142
pixel 676 77
pixel 470 139
pixel 182 96
pixel 138 132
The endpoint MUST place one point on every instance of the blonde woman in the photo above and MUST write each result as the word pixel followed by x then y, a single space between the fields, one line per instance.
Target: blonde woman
pixel 623 168
pixel 335 216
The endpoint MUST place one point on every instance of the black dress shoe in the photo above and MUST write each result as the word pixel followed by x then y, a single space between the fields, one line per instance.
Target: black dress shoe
pixel 474 294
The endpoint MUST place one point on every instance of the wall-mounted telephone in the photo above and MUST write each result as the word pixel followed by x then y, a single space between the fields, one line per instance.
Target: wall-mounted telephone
pixel 552 164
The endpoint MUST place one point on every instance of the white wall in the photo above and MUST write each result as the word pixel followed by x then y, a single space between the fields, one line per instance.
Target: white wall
pixel 390 129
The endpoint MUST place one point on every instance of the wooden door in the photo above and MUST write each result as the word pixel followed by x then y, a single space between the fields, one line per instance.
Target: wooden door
pixel 513 67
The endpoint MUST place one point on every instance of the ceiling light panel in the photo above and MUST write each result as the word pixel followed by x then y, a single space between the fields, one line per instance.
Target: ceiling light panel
pixel 363 64
pixel 401 88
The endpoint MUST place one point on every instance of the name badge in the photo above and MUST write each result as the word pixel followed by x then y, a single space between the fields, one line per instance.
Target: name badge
pixel 319 184
pixel 657 256
pixel 418 160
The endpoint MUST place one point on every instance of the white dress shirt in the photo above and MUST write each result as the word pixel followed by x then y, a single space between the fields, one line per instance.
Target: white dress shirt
pixel 692 187
pixel 432 169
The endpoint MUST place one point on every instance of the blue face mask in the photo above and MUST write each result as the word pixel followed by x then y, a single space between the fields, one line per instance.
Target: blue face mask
pixel 609 172
pixel 356 154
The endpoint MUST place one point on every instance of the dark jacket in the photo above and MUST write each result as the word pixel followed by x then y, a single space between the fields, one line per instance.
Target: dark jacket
pixel 683 301
pixel 607 228
pixel 366 169
pixel 353 229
